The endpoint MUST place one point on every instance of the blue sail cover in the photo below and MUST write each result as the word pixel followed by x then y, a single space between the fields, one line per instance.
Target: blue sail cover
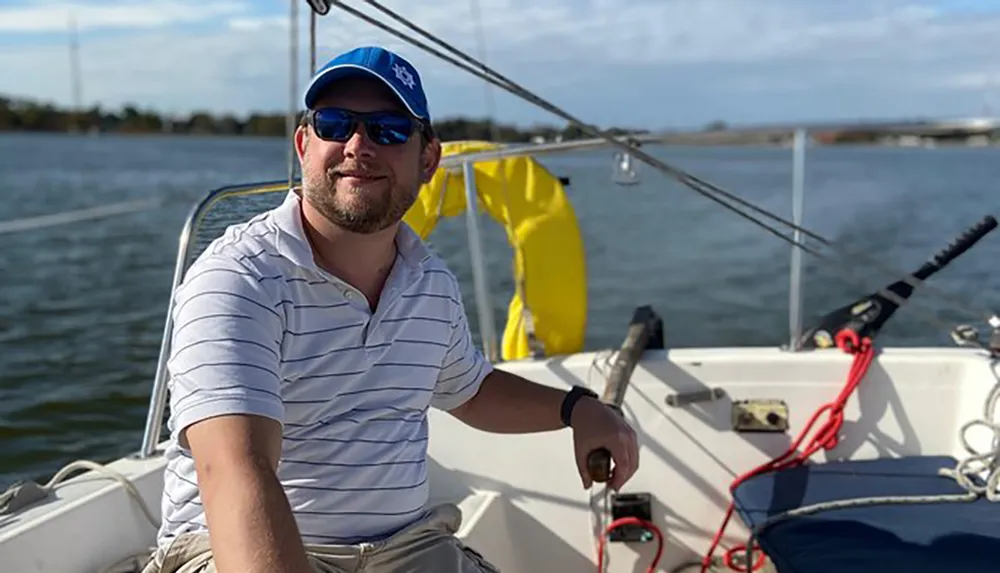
pixel 939 537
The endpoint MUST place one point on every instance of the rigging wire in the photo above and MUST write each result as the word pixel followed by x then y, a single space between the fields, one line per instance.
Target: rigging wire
pixel 312 42
pixel 477 20
pixel 702 187
pixel 293 88
pixel 520 284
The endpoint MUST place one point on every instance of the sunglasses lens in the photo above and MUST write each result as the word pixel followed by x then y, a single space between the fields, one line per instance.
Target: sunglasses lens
pixel 389 129
pixel 333 124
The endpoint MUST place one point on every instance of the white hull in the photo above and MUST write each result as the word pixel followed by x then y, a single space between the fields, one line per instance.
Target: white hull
pixel 523 503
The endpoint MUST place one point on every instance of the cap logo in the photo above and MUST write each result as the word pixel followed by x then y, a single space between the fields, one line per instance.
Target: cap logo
pixel 404 76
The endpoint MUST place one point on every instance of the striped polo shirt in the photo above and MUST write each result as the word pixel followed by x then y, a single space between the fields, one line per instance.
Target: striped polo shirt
pixel 260 329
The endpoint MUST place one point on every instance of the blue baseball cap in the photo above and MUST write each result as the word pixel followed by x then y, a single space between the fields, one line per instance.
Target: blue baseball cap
pixel 374 62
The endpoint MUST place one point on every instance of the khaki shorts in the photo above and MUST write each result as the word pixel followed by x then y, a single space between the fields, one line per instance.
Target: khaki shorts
pixel 427 545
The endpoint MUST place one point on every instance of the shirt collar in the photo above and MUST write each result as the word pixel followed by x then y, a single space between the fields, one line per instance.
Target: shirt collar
pixel 293 244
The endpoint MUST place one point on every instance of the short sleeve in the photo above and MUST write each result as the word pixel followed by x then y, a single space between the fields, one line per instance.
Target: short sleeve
pixel 464 366
pixel 224 356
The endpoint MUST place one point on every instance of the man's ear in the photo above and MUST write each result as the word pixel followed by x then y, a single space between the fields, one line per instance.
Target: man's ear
pixel 301 140
pixel 430 158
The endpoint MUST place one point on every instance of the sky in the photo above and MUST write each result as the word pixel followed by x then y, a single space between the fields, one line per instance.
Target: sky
pixel 651 64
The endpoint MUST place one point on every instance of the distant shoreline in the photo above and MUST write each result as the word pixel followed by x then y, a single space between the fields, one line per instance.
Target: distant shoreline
pixel 695 139
pixel 28 116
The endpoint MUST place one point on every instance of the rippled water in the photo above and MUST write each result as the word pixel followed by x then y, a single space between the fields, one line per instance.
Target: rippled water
pixel 82 305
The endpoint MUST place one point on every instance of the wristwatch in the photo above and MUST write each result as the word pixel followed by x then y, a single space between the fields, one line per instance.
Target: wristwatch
pixel 569 402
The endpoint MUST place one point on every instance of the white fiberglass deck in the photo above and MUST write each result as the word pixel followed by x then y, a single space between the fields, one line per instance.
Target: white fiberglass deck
pixel 523 504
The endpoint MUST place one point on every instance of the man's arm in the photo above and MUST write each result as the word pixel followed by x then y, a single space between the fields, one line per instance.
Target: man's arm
pixel 509 404
pixel 488 399
pixel 251 524
pixel 501 402
pixel 226 404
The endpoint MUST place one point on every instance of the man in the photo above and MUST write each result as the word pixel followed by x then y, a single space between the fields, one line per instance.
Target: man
pixel 309 344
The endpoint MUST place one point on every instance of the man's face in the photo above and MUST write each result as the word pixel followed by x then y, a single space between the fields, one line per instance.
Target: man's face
pixel 359 185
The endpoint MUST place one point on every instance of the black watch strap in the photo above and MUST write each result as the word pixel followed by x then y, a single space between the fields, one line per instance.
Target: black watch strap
pixel 569 402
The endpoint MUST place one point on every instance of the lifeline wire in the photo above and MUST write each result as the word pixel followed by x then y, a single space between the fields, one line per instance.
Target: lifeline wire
pixel 702 187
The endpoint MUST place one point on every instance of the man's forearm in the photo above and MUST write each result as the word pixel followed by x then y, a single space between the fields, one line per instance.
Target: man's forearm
pixel 252 526
pixel 508 404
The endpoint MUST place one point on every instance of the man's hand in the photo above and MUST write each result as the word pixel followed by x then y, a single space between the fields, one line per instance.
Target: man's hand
pixel 595 426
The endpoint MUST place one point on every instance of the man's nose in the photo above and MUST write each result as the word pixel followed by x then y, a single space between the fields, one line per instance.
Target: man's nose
pixel 359 145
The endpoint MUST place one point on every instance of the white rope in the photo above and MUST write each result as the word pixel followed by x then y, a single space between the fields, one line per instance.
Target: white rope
pixel 25 494
pixel 984 466
pixel 600 518
pixel 130 488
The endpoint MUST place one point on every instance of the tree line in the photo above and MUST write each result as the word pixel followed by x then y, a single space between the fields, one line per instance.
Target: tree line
pixel 32 116
pixel 19 114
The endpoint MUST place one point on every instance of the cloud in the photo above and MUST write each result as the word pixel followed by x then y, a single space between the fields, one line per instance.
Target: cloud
pixel 625 62
pixel 258 23
pixel 55 17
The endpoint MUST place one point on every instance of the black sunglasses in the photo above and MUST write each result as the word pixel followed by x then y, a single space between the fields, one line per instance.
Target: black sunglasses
pixel 382 127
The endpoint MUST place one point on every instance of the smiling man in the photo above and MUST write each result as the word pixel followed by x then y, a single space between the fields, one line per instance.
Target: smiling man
pixel 309 344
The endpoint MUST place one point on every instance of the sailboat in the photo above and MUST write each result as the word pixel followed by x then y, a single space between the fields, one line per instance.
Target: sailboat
pixel 830 454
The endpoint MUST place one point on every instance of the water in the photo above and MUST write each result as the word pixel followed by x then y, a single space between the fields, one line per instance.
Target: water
pixel 82 305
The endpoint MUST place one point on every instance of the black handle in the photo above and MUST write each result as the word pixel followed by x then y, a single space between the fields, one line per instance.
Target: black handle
pixel 964 241
pixel 599 465
pixel 321 7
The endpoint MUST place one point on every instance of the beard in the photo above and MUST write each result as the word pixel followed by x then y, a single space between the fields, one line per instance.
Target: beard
pixel 363 209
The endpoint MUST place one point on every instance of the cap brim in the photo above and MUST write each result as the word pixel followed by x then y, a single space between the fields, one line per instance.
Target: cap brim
pixel 322 81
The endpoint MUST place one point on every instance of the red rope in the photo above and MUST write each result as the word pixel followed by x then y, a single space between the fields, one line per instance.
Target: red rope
pixel 826 437
pixel 631 521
